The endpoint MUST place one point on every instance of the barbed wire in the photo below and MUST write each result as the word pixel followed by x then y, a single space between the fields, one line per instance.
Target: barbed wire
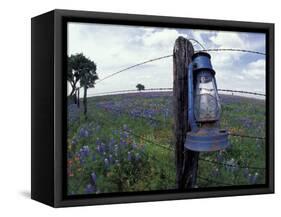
pixel 222 90
pixel 232 49
pixel 133 66
pixel 135 115
pixel 134 91
pixel 138 136
pixel 213 181
pixel 172 149
pixel 231 165
pixel 170 89
pixel 159 121
pixel 197 42
pixel 242 91
pixel 170 55
pixel 246 136
pixel 201 159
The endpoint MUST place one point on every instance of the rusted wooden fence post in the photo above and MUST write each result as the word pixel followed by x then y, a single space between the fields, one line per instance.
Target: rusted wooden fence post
pixel 186 161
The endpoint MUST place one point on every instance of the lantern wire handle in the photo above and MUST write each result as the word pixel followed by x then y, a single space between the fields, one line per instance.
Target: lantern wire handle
pixel 197 42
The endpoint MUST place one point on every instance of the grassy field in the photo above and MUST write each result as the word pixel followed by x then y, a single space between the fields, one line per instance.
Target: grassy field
pixel 126 144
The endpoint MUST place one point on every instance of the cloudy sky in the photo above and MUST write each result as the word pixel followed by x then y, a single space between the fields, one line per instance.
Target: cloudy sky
pixel 114 47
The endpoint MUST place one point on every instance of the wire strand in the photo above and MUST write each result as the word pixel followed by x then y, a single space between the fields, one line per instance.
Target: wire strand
pixel 133 66
pixel 230 165
pixel 140 137
pixel 242 91
pixel 192 39
pixel 167 56
pixel 170 89
pixel 232 49
pixel 214 181
pixel 246 136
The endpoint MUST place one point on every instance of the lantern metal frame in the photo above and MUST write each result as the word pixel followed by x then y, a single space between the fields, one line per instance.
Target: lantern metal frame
pixel 203 137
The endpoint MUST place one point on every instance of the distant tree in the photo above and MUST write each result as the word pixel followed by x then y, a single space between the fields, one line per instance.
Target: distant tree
pixel 140 87
pixel 81 68
pixel 73 75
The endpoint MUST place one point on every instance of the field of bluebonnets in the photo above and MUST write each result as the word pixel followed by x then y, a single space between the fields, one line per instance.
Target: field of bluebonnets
pixel 126 144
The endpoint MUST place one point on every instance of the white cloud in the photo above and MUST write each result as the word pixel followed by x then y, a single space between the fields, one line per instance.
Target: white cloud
pixel 223 39
pixel 228 40
pixel 164 38
pixel 255 69
pixel 115 47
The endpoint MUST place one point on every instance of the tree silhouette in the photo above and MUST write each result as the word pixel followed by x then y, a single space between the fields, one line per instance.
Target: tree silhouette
pixel 140 87
pixel 81 68
pixel 73 75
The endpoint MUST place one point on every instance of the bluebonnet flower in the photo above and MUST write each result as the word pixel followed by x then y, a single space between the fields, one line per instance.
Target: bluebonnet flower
pixel 258 144
pixel 98 141
pixel 94 157
pixel 94 178
pixel 219 157
pixel 215 172
pixel 111 143
pixel 74 142
pixel 116 149
pixel 82 160
pixel 122 142
pixel 246 122
pixel 129 156
pixel 110 158
pixel 249 178
pixel 166 113
pixel 98 148
pixel 115 132
pixel 231 165
pixel 246 172
pixel 73 112
pixel 137 157
pixel 253 178
pixel 106 163
pixel 83 133
pixel 117 162
pixel 125 127
pixel 89 189
pixel 84 151
pixel 125 135
pixel 102 147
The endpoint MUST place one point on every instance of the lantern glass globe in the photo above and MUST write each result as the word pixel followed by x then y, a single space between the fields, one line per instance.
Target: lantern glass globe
pixel 206 104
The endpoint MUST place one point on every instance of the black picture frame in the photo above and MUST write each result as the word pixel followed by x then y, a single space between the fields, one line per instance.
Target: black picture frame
pixel 48 107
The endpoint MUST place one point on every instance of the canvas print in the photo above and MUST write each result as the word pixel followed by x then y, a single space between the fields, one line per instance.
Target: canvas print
pixel 121 109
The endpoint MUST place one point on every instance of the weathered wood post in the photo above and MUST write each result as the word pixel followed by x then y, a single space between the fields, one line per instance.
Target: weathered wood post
pixel 186 161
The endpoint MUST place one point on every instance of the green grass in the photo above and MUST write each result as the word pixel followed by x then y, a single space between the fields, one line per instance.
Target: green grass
pixel 141 127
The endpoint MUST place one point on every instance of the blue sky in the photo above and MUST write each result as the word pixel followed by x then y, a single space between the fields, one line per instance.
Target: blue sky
pixel 114 47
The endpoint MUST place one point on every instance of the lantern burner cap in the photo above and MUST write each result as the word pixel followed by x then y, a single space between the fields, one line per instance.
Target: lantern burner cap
pixel 207 139
pixel 200 53
pixel 202 61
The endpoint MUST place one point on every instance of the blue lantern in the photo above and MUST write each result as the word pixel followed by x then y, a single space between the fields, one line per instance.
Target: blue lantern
pixel 204 109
